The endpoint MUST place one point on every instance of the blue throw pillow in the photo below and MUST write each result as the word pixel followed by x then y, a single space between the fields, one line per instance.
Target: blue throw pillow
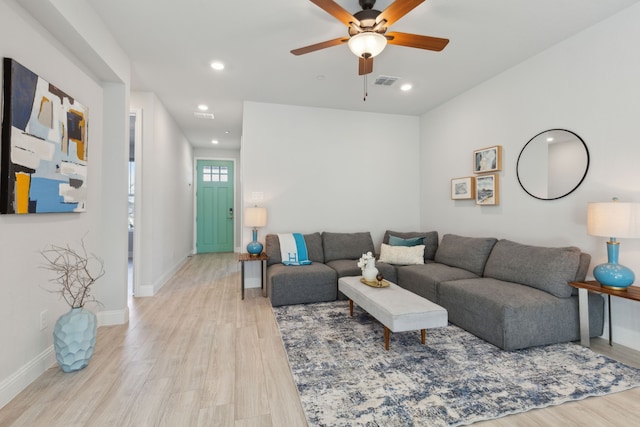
pixel 397 241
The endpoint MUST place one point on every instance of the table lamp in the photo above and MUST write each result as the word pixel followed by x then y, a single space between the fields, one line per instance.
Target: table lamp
pixel 613 219
pixel 255 217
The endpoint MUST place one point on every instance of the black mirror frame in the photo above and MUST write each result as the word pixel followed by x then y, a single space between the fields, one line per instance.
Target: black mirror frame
pixel 586 169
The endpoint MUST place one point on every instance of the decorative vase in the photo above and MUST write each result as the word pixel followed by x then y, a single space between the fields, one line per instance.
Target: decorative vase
pixel 370 271
pixel 254 247
pixel 611 274
pixel 74 338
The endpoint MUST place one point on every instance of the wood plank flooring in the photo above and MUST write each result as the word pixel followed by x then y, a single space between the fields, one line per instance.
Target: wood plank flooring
pixel 198 355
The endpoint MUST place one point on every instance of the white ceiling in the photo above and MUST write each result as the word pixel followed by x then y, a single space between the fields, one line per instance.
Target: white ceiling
pixel 172 42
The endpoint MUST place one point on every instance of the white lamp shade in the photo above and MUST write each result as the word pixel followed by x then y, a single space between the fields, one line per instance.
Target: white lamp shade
pixel 255 217
pixel 367 43
pixel 614 219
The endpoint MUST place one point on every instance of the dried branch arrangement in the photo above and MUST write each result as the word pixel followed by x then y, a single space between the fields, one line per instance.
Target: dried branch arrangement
pixel 75 271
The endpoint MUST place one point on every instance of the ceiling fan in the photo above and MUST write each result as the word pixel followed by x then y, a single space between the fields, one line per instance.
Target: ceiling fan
pixel 367 31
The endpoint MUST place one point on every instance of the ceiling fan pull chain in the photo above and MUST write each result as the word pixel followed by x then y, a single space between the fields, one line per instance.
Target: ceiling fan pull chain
pixel 365 88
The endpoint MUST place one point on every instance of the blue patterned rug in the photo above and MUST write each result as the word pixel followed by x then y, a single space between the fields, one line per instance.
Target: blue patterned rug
pixel 346 378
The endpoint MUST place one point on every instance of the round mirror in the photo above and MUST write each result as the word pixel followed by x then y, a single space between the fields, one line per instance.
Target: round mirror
pixel 552 164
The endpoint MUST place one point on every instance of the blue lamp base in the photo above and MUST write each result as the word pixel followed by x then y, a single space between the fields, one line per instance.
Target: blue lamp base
pixel 611 274
pixel 255 248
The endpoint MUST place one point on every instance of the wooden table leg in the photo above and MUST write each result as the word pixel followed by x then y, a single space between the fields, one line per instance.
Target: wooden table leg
pixel 386 338
pixel 351 308
pixel 423 334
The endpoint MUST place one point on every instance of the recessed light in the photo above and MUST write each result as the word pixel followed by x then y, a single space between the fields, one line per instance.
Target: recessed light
pixel 217 65
pixel 550 139
pixel 203 107
pixel 227 131
pixel 406 87
pixel 215 141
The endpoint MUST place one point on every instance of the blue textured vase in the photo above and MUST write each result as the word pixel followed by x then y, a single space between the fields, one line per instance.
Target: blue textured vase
pixel 74 338
pixel 611 274
pixel 255 247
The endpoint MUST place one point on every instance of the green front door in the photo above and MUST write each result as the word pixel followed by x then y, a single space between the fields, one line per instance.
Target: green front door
pixel 214 195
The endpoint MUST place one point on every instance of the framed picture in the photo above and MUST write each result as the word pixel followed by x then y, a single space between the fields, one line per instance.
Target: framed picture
pixel 44 146
pixel 487 159
pixel 487 190
pixel 463 188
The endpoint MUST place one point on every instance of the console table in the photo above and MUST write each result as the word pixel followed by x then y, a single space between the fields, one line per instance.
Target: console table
pixel 244 257
pixel 632 293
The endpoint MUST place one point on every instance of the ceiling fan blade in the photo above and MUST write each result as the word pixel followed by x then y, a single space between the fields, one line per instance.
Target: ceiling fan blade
pixel 365 66
pixel 318 46
pixel 337 11
pixel 417 41
pixel 397 10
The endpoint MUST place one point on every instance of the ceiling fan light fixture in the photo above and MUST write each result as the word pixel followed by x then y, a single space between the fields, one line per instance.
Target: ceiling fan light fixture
pixel 367 44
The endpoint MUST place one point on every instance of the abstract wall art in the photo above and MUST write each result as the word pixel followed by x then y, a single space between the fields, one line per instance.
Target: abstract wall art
pixel 43 165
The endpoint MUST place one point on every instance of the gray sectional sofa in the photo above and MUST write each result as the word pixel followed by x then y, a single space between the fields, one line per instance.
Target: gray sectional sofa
pixel 509 294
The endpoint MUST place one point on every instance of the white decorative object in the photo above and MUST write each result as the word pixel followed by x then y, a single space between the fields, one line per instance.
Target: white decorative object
pixel 370 271
pixel 367 264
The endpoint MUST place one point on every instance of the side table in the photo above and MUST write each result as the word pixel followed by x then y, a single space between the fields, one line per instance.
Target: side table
pixel 244 257
pixel 632 293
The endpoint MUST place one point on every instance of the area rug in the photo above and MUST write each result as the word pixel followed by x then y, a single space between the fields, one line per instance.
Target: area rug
pixel 346 378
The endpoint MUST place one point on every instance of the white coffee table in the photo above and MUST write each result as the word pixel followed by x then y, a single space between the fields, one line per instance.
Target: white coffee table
pixel 396 308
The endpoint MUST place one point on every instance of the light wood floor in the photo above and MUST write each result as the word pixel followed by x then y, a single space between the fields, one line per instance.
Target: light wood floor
pixel 198 355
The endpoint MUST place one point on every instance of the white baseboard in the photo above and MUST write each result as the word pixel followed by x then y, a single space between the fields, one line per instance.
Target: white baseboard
pixel 151 290
pixel 19 380
pixel 113 317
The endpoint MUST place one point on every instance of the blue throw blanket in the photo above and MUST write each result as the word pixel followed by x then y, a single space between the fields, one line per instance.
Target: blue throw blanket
pixel 293 249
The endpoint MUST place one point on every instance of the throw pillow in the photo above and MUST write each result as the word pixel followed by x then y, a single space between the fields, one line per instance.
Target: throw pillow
pixel 399 241
pixel 403 255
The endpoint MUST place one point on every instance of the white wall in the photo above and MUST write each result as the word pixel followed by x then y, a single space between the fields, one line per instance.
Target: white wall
pixel 330 170
pixel 587 84
pixel 96 72
pixel 23 296
pixel 165 195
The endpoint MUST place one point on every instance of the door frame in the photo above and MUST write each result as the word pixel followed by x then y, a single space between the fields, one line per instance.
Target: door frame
pixel 195 198
pixel 137 207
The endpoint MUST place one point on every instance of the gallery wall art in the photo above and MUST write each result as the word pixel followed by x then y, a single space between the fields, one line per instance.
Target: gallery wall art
pixel 463 188
pixel 44 146
pixel 487 159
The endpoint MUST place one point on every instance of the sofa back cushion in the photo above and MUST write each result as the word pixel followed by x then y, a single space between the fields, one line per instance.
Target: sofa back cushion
pixel 547 269
pixel 430 240
pixel 469 253
pixel 313 242
pixel 346 245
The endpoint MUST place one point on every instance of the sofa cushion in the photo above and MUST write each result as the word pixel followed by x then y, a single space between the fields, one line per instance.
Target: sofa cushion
pixel 398 241
pixel 430 240
pixel 402 255
pixel 469 253
pixel 301 284
pixel 547 269
pixel 346 245
pixel 425 279
pixel 314 248
pixel 513 316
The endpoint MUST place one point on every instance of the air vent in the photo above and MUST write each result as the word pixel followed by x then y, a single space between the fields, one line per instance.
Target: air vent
pixel 385 80
pixel 203 115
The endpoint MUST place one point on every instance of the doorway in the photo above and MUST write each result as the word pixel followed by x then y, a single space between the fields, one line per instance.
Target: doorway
pixel 135 149
pixel 214 206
